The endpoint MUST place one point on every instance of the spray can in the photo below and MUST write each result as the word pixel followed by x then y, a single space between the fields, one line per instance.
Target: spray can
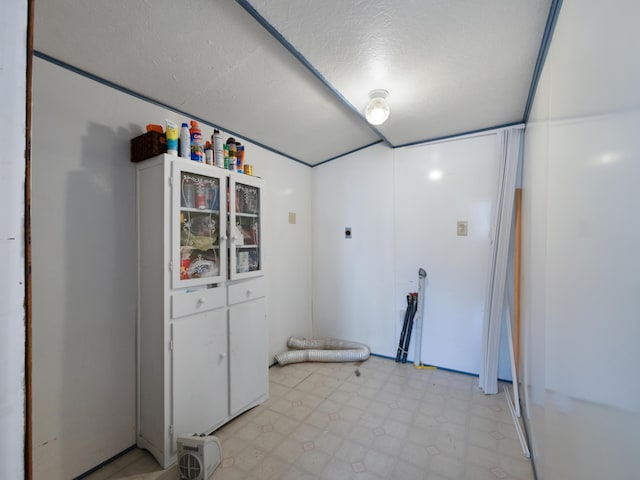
pixel 185 141
pixel 201 198
pixel 218 153
pixel 197 147
pixel 208 153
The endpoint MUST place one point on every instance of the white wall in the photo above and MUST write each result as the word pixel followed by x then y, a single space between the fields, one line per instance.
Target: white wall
pixel 84 265
pixel 288 256
pixel 402 220
pixel 427 209
pixel 13 48
pixel 581 294
pixel 353 280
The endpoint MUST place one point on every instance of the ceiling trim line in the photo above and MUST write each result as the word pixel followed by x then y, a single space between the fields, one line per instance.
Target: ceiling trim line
pixel 460 136
pixel 347 153
pixel 139 96
pixel 552 19
pixel 307 64
pixel 448 138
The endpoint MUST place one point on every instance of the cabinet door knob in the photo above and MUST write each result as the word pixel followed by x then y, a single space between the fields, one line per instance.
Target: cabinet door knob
pixel 223 355
pixel 234 238
pixel 202 300
pixel 223 238
pixel 249 292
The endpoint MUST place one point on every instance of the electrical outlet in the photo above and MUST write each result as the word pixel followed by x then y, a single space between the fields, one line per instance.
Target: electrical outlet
pixel 347 232
pixel 462 228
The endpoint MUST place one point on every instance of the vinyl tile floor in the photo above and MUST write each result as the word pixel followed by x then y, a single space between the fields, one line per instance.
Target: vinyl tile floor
pixel 375 420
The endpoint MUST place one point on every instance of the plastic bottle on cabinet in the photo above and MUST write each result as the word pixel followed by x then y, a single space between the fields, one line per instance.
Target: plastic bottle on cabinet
pixel 208 153
pixel 240 157
pixel 197 147
pixel 232 153
pixel 218 152
pixel 185 141
pixel 226 156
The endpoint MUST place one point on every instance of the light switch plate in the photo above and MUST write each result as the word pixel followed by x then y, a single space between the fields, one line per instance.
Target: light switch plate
pixel 292 218
pixel 462 228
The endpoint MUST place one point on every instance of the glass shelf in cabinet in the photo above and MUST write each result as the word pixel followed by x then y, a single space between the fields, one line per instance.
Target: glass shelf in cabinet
pixel 198 210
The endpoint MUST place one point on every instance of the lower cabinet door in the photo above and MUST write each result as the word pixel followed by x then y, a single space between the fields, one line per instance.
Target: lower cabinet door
pixel 248 363
pixel 199 372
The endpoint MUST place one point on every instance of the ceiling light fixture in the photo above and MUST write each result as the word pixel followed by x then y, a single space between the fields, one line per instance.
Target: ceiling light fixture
pixel 377 110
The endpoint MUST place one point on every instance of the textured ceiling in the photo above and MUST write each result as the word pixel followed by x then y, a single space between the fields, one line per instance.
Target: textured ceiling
pixel 451 66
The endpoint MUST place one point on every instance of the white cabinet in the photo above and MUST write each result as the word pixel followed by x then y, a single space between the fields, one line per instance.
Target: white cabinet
pixel 200 368
pixel 198 226
pixel 245 250
pixel 247 331
pixel 202 331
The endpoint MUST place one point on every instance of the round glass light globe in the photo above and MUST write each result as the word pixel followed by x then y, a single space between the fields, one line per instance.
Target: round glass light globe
pixel 377 110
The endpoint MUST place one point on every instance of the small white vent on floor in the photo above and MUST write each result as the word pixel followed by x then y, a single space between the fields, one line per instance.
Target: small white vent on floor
pixel 198 456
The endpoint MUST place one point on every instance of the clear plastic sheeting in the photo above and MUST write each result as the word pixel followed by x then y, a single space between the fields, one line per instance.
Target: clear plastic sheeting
pixel 322 350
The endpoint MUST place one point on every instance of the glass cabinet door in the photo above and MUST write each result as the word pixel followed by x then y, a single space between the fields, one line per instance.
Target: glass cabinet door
pixel 198 230
pixel 245 226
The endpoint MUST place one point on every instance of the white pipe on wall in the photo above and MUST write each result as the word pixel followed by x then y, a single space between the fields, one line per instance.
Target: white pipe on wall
pixel 417 361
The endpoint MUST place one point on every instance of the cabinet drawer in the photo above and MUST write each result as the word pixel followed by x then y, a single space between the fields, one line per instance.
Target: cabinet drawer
pixel 247 290
pixel 188 303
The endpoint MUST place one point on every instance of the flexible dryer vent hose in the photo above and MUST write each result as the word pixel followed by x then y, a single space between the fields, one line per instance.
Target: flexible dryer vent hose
pixel 322 350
